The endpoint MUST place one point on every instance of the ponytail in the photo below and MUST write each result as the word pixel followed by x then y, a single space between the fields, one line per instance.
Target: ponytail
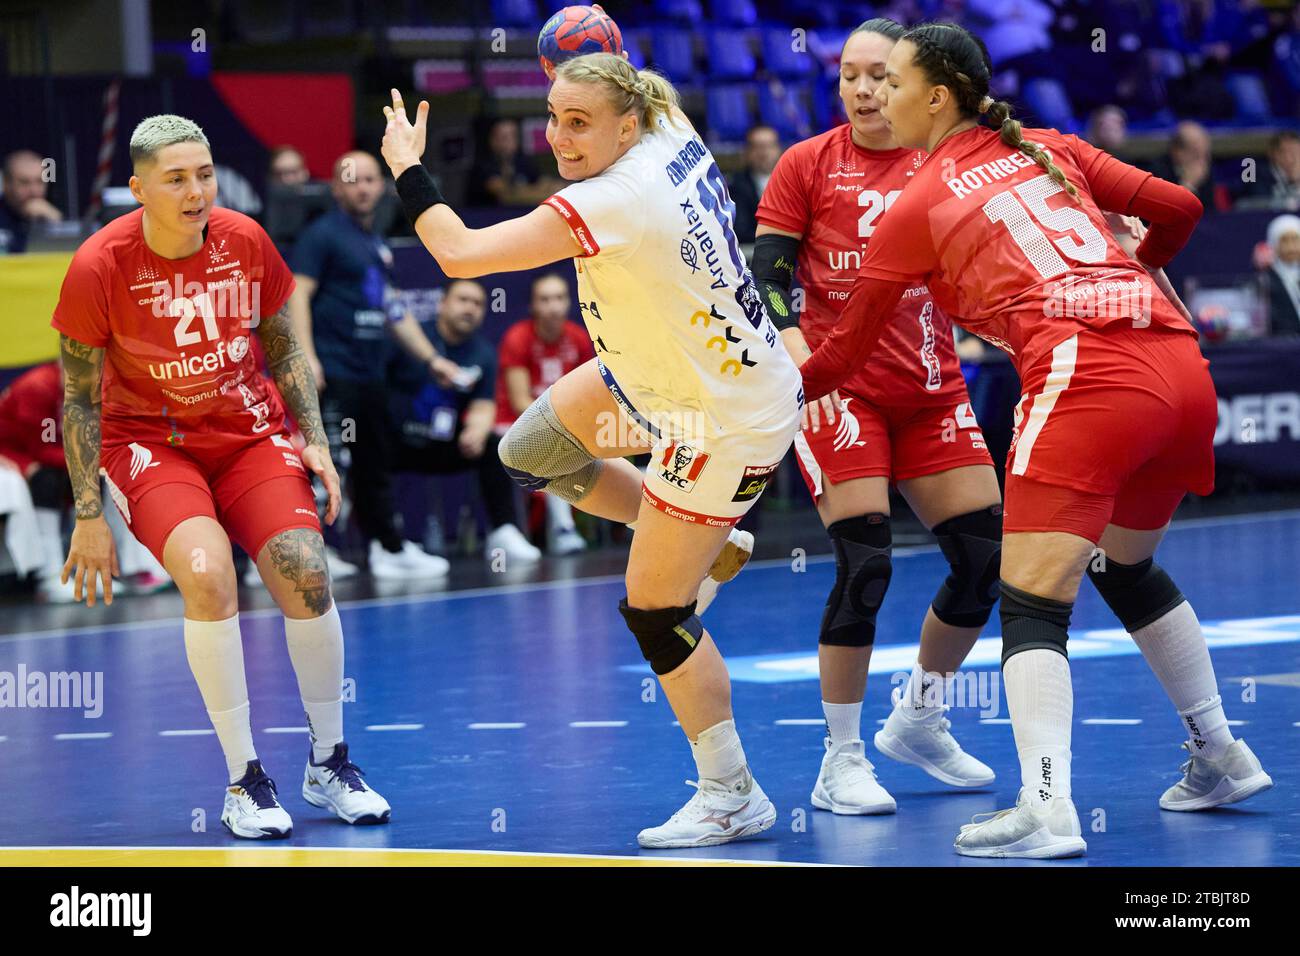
pixel 644 92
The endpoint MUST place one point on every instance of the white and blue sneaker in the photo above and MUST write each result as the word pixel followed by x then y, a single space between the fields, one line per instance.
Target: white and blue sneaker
pixel 336 785
pixel 252 810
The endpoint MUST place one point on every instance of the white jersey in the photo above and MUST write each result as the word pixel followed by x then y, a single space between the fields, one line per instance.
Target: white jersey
pixel 682 338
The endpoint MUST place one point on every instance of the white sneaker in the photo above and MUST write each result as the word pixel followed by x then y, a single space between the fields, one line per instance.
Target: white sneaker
pixel 339 569
pixel 716 814
pixel 847 782
pixel 924 740
pixel 337 785
pixel 1211 783
pixel 513 543
pixel 252 810
pixel 410 562
pixel 734 555
pixel 566 541
pixel 1031 829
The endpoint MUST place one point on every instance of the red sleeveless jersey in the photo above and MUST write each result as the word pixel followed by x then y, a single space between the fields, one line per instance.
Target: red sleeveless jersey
pixel 834 194
pixel 178 334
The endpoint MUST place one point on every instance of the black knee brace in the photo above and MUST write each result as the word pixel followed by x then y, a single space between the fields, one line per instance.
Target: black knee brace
pixel 862 571
pixel 667 635
pixel 1137 593
pixel 972 543
pixel 1030 621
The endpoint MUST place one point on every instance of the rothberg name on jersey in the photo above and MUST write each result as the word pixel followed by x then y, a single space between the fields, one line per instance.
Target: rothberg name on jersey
pixel 676 319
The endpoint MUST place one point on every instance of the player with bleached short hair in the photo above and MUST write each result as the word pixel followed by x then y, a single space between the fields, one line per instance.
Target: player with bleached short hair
pixel 164 390
pixel 685 355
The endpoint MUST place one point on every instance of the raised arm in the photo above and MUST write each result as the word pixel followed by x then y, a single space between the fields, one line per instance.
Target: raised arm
pixel 528 242
pixel 92 554
pixel 293 377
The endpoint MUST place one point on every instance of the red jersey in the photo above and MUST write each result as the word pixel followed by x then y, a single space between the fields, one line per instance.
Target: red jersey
pixel 178 334
pixel 833 193
pixel 31 418
pixel 1000 244
pixel 546 362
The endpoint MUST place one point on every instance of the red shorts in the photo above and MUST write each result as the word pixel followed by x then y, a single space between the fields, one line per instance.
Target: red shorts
pixel 1114 427
pixel 254 489
pixel 890 441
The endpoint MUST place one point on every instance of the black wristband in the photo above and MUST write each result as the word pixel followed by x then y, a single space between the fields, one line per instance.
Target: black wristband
pixel 418 191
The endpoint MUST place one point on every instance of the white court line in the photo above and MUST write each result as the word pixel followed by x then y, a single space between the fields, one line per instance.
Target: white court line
pixel 1238 723
pixel 1112 721
pixel 580 724
pixel 800 722
pixel 186 733
pixel 101 735
pixel 395 727
pixel 3 739
pixel 497 726
pixel 527 587
pixel 995 720
pixel 284 730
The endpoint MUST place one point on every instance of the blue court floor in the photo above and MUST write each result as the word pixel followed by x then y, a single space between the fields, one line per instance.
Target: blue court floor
pixel 522 720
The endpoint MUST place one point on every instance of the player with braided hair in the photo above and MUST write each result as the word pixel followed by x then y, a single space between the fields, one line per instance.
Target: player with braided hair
pixel 905 419
pixel 685 358
pixel 1115 425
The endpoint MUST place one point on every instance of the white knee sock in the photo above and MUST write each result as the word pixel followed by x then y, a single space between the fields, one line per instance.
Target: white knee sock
pixel 1041 700
pixel 216 656
pixel 843 722
pixel 924 692
pixel 719 756
pixel 1175 650
pixel 316 650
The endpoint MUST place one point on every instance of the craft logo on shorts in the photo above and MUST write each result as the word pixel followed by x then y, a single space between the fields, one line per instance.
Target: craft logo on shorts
pixel 682 465
pixel 754 481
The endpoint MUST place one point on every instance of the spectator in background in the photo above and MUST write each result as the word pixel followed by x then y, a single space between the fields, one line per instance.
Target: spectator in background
pixel 341 310
pixel 505 175
pixel 533 355
pixel 1190 165
pixel 1108 129
pixel 287 167
pixel 35 491
pixel 443 407
pixel 762 150
pixel 1282 275
pixel 1277 182
pixel 23 202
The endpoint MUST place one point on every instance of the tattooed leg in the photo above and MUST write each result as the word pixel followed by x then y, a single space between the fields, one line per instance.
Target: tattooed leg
pixel 294 569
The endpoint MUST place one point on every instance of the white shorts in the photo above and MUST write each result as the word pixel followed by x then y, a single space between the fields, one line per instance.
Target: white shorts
pixel 715 482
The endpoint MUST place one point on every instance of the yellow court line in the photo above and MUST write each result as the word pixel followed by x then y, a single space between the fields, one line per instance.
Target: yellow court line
pixel 326 856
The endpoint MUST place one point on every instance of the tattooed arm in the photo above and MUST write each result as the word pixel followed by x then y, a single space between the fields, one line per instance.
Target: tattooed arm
pixel 293 376
pixel 92 553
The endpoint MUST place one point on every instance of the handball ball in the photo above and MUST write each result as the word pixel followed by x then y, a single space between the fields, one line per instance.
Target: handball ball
pixel 576 31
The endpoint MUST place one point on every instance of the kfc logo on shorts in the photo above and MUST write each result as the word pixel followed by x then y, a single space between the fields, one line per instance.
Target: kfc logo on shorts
pixel 682 465
pixel 754 481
